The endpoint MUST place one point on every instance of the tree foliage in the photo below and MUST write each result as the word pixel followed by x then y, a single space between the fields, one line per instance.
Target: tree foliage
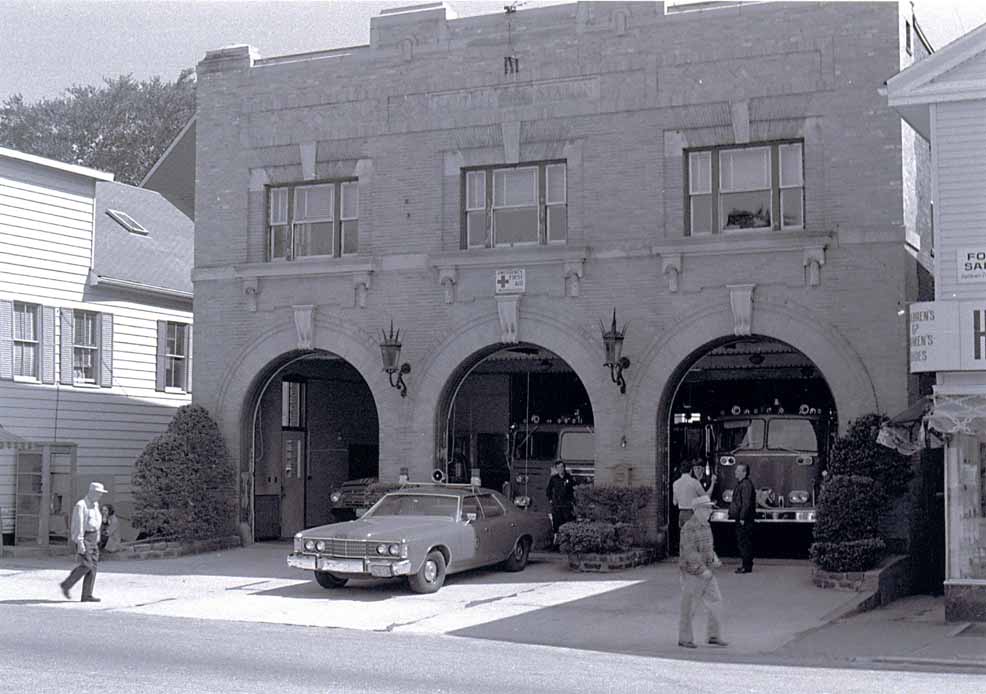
pixel 184 482
pixel 121 127
pixel 858 453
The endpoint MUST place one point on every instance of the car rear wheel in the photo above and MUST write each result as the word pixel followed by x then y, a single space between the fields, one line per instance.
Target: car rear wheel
pixel 328 581
pixel 518 557
pixel 430 576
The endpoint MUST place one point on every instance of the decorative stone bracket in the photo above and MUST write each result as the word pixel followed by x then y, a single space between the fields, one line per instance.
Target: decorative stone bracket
pixel 448 277
pixel 671 269
pixel 304 324
pixel 574 269
pixel 741 302
pixel 361 286
pixel 251 288
pixel 814 258
pixel 507 307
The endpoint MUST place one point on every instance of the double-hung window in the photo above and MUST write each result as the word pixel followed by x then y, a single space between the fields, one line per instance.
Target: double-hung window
pixel 319 219
pixel 752 187
pixel 176 356
pixel 26 342
pixel 85 347
pixel 524 205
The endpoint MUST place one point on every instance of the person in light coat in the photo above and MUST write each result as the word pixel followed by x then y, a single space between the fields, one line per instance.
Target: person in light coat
pixel 86 522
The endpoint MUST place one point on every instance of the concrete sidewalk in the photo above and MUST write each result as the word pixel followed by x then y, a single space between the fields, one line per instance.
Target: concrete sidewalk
pixel 774 614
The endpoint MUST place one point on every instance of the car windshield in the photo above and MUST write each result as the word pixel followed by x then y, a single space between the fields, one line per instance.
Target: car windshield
pixel 742 434
pixel 792 435
pixel 430 505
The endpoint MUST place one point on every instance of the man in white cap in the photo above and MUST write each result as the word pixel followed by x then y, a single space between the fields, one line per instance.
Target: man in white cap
pixel 696 561
pixel 86 521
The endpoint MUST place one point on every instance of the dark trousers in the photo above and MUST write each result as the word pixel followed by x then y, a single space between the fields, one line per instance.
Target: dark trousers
pixel 744 542
pixel 85 566
pixel 561 515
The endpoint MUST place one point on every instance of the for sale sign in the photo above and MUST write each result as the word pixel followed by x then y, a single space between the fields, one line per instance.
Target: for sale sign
pixel 972 264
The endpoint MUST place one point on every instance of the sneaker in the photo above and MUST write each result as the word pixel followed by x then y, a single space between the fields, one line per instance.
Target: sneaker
pixel 65 591
pixel 715 641
pixel 687 644
pixel 90 598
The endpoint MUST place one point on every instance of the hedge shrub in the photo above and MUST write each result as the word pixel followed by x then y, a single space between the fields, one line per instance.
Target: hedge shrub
pixel 184 482
pixel 848 509
pixel 858 453
pixel 856 555
pixel 611 504
pixel 595 537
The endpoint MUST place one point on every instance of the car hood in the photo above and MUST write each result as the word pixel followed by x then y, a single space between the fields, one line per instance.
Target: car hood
pixel 383 528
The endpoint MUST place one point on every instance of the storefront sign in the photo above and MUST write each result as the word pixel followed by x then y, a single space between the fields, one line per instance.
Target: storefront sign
pixel 948 336
pixel 510 281
pixel 971 264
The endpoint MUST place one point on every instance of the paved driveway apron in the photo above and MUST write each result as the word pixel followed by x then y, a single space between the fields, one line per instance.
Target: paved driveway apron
pixel 634 611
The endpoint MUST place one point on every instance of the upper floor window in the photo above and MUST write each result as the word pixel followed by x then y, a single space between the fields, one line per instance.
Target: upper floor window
pixel 26 340
pixel 754 187
pixel 523 205
pixel 176 356
pixel 85 347
pixel 319 219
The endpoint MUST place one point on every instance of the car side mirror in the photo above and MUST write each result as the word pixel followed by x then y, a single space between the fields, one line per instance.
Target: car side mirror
pixel 470 517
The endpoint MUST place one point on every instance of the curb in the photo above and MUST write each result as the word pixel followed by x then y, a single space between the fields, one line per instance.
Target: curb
pixel 940 662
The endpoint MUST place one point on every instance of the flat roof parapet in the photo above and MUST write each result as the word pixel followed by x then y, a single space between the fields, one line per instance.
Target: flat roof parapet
pixel 227 58
pixel 423 22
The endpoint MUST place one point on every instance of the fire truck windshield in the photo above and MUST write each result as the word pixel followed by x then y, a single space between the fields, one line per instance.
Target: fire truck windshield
pixel 740 434
pixel 536 445
pixel 792 435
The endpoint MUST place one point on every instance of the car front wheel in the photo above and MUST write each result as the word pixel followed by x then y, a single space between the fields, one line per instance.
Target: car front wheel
pixel 328 581
pixel 518 557
pixel 430 576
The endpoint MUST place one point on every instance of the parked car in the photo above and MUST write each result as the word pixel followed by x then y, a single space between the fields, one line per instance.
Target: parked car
pixel 423 532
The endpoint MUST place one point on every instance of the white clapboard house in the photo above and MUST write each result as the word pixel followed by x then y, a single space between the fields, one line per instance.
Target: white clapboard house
pixel 95 336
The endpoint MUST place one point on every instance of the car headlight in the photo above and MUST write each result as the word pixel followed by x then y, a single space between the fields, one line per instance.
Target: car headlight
pixel 798 497
pixel 335 497
pixel 310 545
pixel 805 460
pixel 727 495
pixel 522 501
pixel 395 550
pixel 381 549
pixel 320 545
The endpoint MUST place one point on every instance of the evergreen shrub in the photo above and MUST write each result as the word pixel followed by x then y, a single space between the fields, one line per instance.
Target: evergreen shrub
pixel 858 453
pixel 595 537
pixel 855 555
pixel 611 503
pixel 848 509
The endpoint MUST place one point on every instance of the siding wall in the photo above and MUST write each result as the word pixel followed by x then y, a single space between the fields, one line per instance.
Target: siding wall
pixel 46 225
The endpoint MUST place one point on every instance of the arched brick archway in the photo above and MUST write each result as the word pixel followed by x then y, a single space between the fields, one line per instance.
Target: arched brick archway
pixel 470 341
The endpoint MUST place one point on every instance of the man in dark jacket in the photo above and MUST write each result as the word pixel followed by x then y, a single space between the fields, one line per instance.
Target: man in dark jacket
pixel 743 508
pixel 561 496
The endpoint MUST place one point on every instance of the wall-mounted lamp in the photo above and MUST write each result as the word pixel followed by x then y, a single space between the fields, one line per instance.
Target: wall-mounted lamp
pixel 390 352
pixel 613 341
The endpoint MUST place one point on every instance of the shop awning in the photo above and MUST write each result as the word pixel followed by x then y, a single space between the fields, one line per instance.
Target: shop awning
pixel 954 413
pixel 907 432
pixel 9 440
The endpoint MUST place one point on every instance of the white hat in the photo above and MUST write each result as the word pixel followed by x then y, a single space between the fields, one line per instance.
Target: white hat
pixel 703 500
pixel 97 487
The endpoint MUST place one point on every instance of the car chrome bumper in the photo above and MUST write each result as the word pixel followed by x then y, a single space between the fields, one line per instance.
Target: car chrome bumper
pixel 301 561
pixel 381 569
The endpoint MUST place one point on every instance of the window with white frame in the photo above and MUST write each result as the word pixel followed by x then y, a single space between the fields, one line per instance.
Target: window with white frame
pixel 176 356
pixel 26 342
pixel 85 347
pixel 523 205
pixel 752 187
pixel 318 219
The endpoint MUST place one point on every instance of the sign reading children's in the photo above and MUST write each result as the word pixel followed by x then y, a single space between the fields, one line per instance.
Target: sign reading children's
pixel 971 264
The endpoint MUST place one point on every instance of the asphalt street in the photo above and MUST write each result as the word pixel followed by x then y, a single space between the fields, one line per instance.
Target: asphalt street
pixel 80 650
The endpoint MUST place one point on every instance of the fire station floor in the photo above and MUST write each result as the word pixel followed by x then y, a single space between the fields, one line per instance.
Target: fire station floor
pixel 775 614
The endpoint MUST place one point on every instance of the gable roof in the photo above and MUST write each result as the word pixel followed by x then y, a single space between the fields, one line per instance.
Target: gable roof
pixel 954 73
pixel 52 164
pixel 158 262
pixel 173 174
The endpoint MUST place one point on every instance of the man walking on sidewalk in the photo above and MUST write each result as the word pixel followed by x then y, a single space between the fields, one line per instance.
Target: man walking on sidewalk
pixel 696 562
pixel 86 521
pixel 743 508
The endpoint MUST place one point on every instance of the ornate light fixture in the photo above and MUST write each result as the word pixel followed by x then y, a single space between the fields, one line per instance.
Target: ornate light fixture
pixel 613 341
pixel 390 352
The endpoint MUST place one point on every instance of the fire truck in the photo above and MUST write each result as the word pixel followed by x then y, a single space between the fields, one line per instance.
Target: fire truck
pixel 786 454
pixel 536 448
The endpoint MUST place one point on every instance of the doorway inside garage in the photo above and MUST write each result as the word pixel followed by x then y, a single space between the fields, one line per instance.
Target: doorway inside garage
pixel 760 402
pixel 314 426
pixel 509 414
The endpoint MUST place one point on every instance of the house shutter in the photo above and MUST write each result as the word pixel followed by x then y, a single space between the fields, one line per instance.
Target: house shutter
pixel 6 339
pixel 66 353
pixel 188 371
pixel 47 344
pixel 159 361
pixel 106 350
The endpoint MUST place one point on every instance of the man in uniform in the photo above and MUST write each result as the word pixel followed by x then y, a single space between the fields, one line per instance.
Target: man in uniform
pixel 561 496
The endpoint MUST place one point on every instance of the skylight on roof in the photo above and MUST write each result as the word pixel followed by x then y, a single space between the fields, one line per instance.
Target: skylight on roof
pixel 127 222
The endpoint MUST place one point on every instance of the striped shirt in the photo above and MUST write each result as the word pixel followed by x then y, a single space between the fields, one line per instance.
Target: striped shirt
pixel 697 553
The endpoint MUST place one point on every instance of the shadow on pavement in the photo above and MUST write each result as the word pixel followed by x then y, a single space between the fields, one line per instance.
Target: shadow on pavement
pixel 35 602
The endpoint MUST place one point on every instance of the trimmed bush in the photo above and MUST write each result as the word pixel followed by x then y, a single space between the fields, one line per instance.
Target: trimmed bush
pixel 595 537
pixel 611 504
pixel 184 482
pixel 849 509
pixel 856 555
pixel 858 453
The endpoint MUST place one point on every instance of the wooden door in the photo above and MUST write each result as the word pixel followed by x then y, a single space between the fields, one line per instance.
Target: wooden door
pixel 294 469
